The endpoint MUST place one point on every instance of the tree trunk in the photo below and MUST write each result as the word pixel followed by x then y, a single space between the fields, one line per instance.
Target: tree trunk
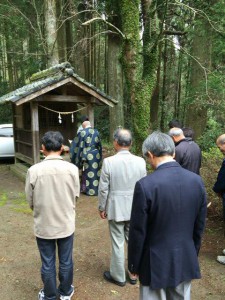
pixel 61 31
pixel 196 117
pixel 178 87
pixel 9 60
pixel 69 33
pixel 154 106
pixel 163 104
pixel 51 32
pixel 115 82
pixel 139 71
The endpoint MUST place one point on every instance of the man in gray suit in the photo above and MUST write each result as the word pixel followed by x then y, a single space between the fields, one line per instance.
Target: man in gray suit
pixel 119 174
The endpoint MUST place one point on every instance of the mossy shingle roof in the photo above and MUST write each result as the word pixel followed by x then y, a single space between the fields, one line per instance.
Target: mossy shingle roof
pixel 47 77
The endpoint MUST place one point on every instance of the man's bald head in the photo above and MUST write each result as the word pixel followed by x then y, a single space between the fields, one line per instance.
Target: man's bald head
pixel 221 139
pixel 220 142
pixel 86 124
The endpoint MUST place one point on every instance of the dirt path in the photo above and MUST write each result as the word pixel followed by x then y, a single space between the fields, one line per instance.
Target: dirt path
pixel 20 263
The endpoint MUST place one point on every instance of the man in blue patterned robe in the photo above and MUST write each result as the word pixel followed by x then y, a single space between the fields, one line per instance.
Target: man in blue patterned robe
pixel 86 154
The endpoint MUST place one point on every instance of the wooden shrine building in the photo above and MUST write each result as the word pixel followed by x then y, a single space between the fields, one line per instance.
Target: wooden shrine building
pixel 51 101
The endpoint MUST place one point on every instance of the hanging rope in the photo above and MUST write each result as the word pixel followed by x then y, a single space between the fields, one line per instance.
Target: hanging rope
pixel 63 112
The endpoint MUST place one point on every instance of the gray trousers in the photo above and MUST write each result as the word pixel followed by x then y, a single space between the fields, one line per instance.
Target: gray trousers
pixel 119 234
pixel 181 292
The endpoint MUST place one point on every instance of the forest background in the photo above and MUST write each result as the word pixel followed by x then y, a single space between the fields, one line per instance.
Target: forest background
pixel 159 59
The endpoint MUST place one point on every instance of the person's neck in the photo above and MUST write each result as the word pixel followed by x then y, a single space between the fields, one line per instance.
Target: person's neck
pixel 118 149
pixel 52 153
pixel 179 139
pixel 162 160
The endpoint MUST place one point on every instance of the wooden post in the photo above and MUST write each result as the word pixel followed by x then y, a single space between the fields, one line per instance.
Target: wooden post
pixel 35 131
pixel 91 114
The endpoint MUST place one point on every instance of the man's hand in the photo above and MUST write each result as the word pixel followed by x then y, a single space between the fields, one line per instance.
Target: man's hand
pixel 103 214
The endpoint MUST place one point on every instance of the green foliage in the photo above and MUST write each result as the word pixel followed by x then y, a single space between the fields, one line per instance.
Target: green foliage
pixel 212 160
pixel 6 113
pixel 208 139
pixel 22 39
pixel 101 115
pixel 212 154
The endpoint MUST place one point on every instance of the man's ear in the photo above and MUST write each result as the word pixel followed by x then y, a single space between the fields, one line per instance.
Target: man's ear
pixel 43 147
pixel 173 154
pixel 150 155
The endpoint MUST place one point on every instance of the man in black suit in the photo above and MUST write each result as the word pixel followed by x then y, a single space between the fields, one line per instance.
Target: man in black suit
pixel 219 186
pixel 167 223
pixel 187 152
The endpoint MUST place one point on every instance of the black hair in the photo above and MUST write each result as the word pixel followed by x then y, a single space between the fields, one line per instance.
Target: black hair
pixel 175 123
pixel 188 132
pixel 84 118
pixel 52 140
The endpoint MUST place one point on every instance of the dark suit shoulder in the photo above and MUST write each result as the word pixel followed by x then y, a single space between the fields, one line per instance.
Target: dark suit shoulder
pixel 167 171
pixel 219 186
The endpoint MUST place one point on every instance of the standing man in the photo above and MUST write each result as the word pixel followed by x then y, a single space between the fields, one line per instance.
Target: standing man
pixel 188 133
pixel 118 177
pixel 219 186
pixel 187 152
pixel 86 154
pixel 83 119
pixel 175 123
pixel 51 190
pixel 167 222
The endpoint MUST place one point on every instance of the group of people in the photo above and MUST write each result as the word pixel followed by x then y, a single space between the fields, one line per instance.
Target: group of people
pixel 160 215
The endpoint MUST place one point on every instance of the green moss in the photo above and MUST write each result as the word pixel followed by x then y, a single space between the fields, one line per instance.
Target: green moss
pixel 50 72
pixel 3 199
pixel 139 65
pixel 15 202
pixel 25 210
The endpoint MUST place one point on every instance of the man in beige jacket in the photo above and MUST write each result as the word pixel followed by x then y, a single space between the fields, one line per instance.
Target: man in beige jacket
pixel 51 190
pixel 119 174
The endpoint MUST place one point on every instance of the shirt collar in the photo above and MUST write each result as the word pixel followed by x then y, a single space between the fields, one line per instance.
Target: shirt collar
pixel 49 157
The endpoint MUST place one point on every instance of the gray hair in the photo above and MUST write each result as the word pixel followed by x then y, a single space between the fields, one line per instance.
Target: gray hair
pixel 123 137
pixel 159 144
pixel 175 131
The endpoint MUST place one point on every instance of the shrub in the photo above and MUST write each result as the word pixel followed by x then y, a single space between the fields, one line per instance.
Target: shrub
pixel 6 113
pixel 211 163
pixel 208 139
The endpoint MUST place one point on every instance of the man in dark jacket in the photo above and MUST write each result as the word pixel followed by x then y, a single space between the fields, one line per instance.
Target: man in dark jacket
pixel 219 186
pixel 187 152
pixel 167 223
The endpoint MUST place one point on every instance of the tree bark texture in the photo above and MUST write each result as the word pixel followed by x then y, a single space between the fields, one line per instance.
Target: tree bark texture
pixel 196 114
pixel 51 32
pixel 139 69
pixel 115 83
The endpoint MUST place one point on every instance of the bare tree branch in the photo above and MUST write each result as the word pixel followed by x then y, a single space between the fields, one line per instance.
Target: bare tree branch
pixel 198 11
pixel 106 22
